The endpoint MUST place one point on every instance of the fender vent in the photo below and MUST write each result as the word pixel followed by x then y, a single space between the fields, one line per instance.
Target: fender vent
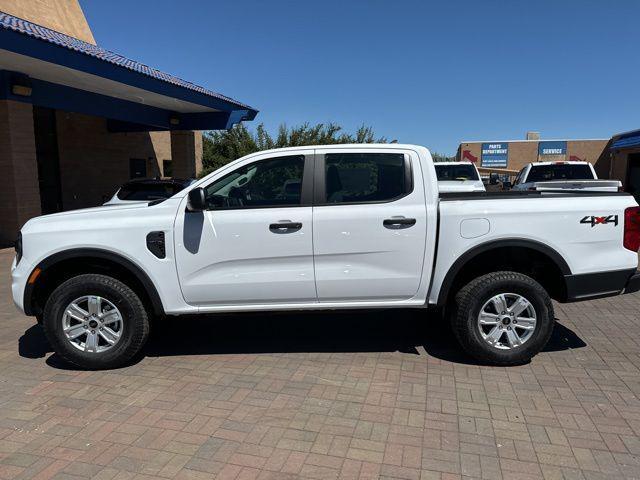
pixel 155 244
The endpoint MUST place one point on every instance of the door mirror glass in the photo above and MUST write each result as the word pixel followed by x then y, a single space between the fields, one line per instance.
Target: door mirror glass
pixel 196 201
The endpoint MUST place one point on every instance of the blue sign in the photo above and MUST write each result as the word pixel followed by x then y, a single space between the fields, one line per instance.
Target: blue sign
pixel 552 148
pixel 494 155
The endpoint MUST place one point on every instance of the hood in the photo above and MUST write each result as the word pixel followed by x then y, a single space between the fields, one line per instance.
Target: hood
pixel 84 216
pixel 98 209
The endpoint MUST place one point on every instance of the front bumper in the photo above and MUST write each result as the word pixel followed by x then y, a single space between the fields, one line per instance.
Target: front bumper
pixel 589 286
pixel 19 276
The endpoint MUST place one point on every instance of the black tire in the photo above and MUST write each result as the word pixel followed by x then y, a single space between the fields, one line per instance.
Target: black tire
pixel 472 297
pixel 134 318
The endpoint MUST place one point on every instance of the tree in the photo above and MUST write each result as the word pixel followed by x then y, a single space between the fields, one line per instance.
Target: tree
pixel 221 147
pixel 440 157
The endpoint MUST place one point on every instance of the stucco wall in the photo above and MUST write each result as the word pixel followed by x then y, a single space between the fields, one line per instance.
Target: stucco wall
pixel 63 16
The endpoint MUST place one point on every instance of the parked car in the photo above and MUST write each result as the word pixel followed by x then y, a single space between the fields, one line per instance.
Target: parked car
pixel 335 227
pixel 458 177
pixel 148 189
pixel 562 176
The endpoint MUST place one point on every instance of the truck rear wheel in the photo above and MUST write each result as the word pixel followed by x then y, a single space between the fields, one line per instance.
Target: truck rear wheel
pixel 95 322
pixel 503 318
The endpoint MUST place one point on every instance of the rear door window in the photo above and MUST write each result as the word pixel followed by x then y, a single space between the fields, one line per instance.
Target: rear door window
pixel 365 177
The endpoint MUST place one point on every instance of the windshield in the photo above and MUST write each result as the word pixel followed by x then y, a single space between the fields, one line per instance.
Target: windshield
pixel 456 172
pixel 542 173
pixel 148 191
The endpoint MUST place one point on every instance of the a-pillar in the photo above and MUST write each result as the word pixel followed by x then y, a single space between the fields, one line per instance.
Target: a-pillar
pixel 186 153
pixel 20 192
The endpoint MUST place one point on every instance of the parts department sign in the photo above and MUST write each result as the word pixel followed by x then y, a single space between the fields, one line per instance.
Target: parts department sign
pixel 495 155
pixel 552 148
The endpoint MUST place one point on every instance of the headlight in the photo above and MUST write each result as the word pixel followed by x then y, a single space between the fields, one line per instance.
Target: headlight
pixel 18 247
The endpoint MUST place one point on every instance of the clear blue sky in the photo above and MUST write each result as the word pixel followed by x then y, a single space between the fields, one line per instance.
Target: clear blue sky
pixel 433 73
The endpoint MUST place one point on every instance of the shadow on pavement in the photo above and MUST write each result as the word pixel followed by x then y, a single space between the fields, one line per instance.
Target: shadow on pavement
pixel 33 343
pixel 346 331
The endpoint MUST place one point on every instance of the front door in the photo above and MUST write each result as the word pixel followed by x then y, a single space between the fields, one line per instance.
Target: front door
pixel 369 225
pixel 254 243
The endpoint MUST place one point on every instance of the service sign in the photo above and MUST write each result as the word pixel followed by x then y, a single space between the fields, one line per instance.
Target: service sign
pixel 552 148
pixel 494 155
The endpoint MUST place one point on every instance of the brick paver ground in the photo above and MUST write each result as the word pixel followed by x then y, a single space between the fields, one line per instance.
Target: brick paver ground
pixel 324 396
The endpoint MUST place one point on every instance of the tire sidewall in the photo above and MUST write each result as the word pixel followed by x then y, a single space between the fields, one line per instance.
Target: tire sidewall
pixel 104 287
pixel 540 301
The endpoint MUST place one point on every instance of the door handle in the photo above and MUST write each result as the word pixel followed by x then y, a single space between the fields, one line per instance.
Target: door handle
pixel 285 226
pixel 398 223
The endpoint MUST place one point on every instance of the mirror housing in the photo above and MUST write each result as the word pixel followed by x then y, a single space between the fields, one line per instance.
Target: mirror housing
pixel 196 200
pixel 507 185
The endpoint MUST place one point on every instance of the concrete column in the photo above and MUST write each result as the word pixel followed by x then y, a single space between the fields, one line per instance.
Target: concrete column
pixel 186 153
pixel 20 192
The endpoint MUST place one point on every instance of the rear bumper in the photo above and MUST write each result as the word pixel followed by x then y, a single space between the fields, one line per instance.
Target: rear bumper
pixel 589 286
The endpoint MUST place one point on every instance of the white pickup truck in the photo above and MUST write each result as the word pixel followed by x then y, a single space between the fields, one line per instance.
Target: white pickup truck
pixel 458 177
pixel 572 175
pixel 342 226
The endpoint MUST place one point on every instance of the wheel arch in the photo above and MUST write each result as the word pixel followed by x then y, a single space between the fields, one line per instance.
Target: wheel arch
pixel 541 252
pixel 62 265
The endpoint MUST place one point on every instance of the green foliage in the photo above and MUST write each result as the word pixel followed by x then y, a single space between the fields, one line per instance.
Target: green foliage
pixel 440 157
pixel 221 147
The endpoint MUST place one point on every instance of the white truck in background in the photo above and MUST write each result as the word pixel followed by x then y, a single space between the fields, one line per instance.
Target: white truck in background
pixel 458 177
pixel 571 175
pixel 325 227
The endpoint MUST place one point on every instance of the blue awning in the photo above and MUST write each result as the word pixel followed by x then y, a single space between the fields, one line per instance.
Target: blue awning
pixel 66 73
pixel 627 140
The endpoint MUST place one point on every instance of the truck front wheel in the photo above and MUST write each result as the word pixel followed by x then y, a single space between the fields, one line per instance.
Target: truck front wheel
pixel 95 321
pixel 503 318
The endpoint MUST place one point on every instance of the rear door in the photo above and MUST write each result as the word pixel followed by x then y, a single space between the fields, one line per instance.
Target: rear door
pixel 369 224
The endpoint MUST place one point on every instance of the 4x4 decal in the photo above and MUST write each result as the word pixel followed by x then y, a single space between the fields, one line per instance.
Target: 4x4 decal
pixel 593 220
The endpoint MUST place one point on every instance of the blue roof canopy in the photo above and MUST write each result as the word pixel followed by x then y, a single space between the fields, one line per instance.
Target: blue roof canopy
pixel 627 140
pixel 66 73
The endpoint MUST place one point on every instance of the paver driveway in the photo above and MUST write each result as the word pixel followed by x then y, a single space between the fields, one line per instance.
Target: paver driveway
pixel 356 395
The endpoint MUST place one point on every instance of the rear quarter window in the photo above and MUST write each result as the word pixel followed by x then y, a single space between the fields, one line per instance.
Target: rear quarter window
pixel 542 173
pixel 456 172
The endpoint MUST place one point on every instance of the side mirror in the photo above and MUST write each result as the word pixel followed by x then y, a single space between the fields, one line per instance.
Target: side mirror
pixel 196 201
pixel 507 185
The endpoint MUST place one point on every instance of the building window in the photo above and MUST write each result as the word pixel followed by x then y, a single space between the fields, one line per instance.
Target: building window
pixel 167 168
pixel 137 168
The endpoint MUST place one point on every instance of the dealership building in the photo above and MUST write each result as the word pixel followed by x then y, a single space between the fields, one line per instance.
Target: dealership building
pixel 77 120
pixel 512 155
pixel 616 158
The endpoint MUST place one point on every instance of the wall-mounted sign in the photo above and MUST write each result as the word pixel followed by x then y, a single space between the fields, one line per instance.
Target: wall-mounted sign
pixel 552 148
pixel 495 155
